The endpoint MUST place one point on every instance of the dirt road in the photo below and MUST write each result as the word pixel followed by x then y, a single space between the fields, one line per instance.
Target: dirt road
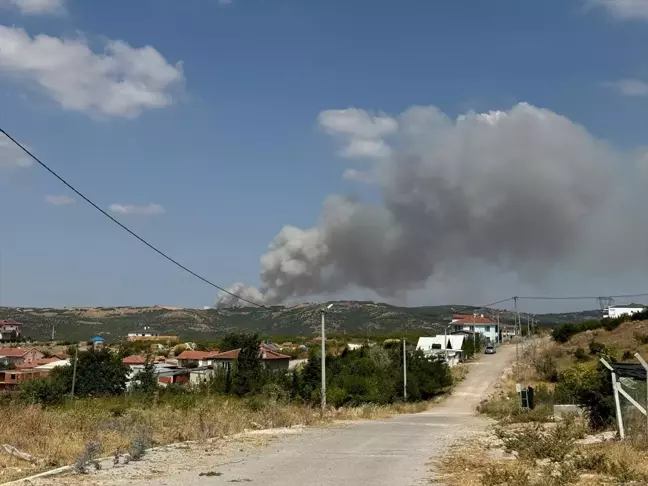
pixel 391 452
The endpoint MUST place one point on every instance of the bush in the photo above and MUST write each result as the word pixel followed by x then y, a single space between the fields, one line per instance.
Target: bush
pixel 547 368
pixel 596 348
pixel 580 355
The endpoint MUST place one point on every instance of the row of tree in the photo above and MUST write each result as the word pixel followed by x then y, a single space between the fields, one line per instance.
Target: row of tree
pixel 366 375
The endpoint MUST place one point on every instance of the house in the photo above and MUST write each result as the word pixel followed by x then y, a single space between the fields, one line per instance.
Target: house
pixel 271 359
pixel 10 379
pixel 20 356
pixel 98 342
pixel 189 359
pixel 446 346
pixel 10 330
pixel 134 360
pixel 476 323
pixel 615 311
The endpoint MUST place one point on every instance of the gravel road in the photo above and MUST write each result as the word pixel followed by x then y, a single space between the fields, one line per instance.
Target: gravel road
pixel 396 451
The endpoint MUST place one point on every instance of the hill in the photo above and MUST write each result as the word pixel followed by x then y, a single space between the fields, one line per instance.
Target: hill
pixel 346 317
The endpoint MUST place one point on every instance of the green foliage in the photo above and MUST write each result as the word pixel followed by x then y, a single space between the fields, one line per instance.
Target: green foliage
pixel 372 375
pixel 580 355
pixel 596 348
pixel 146 382
pixel 566 331
pixel 547 368
pixel 248 369
pixel 99 373
pixel 591 388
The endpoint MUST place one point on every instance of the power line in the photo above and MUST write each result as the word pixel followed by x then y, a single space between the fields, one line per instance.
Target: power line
pixel 124 227
pixel 495 303
pixel 587 297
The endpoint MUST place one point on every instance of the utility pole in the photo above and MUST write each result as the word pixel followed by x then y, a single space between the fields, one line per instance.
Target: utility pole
pixel 323 373
pixel 528 324
pixel 404 369
pixel 76 359
pixel 517 338
pixel 499 335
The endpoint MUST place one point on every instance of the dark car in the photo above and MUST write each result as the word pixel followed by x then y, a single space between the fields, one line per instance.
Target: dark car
pixel 490 350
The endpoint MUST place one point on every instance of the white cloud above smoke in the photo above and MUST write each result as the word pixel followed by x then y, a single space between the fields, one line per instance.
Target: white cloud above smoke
pixel 517 190
pixel 623 9
pixel 132 209
pixel 121 81
pixel 36 7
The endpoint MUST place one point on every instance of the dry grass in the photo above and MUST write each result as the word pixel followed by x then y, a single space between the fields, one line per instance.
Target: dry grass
pixel 59 435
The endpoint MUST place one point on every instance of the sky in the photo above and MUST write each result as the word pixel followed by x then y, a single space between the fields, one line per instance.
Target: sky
pixel 323 129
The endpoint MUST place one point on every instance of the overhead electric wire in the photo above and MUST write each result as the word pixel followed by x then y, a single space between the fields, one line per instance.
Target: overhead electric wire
pixel 495 303
pixel 625 296
pixel 124 227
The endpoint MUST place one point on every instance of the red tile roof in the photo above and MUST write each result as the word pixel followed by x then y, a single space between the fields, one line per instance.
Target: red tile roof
pixel 11 323
pixel 197 354
pixel 266 354
pixel 233 354
pixel 134 360
pixel 469 321
pixel 14 352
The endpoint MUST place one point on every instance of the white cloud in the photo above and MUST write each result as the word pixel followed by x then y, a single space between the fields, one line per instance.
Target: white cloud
pixel 623 9
pixel 36 7
pixel 149 210
pixel 59 200
pixel 629 87
pixel 358 176
pixel 12 156
pixel 361 131
pixel 122 81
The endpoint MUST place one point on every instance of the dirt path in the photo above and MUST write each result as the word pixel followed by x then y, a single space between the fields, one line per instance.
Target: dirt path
pixel 395 451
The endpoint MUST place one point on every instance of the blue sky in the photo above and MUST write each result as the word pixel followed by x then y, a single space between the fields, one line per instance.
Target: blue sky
pixel 217 145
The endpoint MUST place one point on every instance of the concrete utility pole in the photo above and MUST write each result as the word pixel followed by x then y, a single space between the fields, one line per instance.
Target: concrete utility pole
pixel 323 373
pixel 499 336
pixel 404 369
pixel 76 358
pixel 517 338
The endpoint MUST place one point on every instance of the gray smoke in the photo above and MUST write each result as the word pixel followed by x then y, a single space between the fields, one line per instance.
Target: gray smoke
pixel 517 190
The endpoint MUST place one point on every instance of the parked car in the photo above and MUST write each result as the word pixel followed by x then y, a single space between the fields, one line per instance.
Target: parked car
pixel 490 350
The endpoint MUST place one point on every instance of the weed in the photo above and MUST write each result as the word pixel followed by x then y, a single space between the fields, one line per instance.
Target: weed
pixel 141 442
pixel 495 476
pixel 211 473
pixel 89 458
pixel 535 443
pixel 625 473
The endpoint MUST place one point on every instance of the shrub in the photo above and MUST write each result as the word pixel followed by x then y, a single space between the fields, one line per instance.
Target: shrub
pixel 89 458
pixel 580 355
pixel 641 338
pixel 495 476
pixel 535 443
pixel 596 348
pixel 627 355
pixel 547 368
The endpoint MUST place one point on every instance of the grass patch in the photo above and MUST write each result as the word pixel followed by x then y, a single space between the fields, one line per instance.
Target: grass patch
pixel 125 424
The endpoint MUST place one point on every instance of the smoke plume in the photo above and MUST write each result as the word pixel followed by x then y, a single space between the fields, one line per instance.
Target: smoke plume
pixel 516 189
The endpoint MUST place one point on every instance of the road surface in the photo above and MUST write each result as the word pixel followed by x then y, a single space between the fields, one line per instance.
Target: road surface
pixel 396 451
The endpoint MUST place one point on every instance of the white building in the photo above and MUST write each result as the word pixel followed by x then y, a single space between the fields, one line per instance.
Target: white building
pixel 476 323
pixel 448 346
pixel 615 311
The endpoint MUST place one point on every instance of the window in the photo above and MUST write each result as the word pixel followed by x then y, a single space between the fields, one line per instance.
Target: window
pixel 13 376
pixel 487 328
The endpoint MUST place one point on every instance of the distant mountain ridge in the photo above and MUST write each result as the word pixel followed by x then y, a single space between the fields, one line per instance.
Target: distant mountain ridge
pixel 345 317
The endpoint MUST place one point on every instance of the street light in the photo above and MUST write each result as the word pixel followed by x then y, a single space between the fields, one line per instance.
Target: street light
pixel 323 398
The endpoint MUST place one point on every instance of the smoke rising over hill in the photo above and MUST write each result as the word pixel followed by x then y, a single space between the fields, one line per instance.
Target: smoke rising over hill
pixel 517 189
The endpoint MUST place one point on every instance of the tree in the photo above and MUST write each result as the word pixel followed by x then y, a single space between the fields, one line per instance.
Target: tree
pixel 248 371
pixel 146 382
pixel 99 373
pixel 237 340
